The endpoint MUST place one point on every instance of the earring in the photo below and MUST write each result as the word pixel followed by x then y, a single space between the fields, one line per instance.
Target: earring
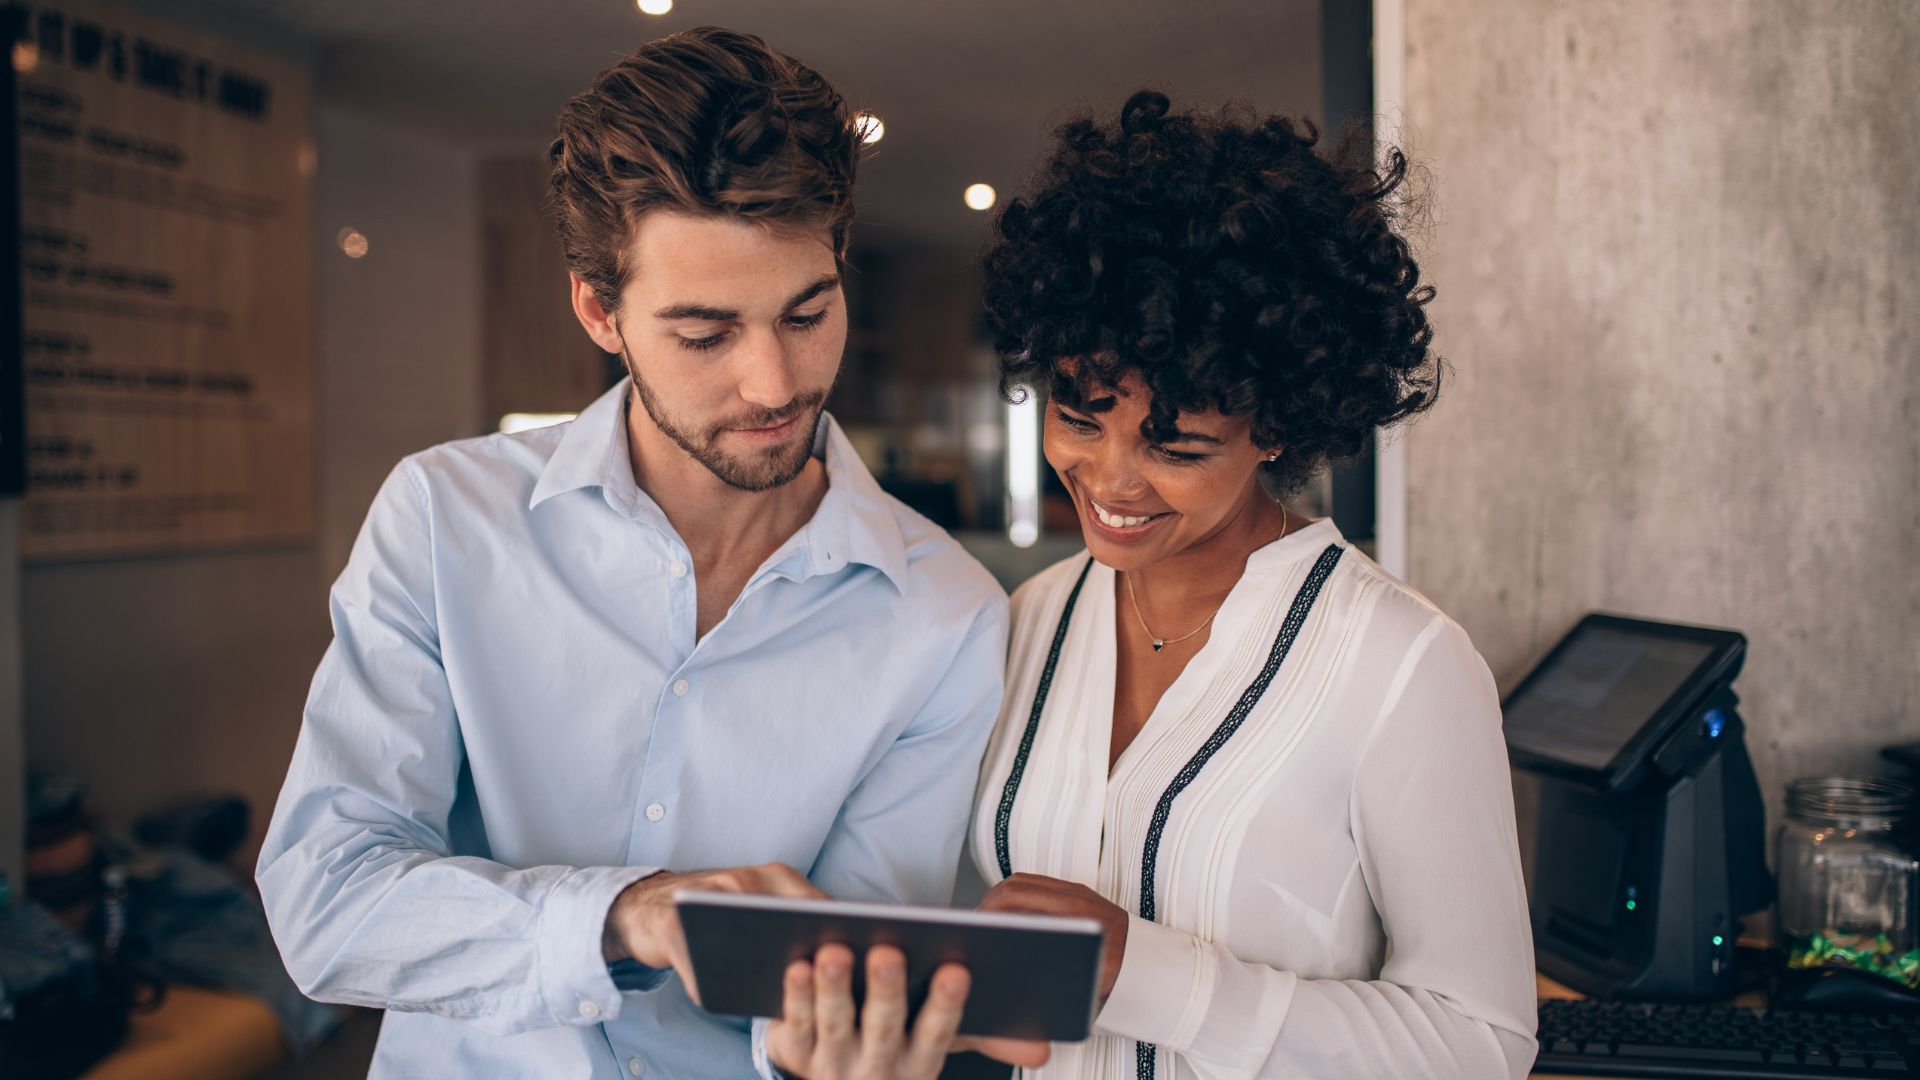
pixel 1273 457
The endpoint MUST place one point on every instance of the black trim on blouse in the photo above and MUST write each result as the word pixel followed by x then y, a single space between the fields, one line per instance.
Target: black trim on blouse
pixel 1004 818
pixel 1303 603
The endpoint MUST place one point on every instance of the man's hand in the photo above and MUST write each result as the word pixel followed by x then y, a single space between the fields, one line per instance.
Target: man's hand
pixel 817 1036
pixel 1050 896
pixel 643 924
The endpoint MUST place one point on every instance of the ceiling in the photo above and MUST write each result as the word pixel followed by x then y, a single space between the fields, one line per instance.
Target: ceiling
pixel 968 90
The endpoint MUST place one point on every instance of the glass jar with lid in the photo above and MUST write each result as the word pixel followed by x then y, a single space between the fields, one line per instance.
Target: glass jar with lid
pixel 1849 881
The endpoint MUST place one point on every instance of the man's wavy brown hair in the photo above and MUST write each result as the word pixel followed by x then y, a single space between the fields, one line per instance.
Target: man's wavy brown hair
pixel 708 122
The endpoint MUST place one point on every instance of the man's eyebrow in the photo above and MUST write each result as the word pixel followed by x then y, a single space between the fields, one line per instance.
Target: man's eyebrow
pixel 828 282
pixel 697 311
pixel 707 313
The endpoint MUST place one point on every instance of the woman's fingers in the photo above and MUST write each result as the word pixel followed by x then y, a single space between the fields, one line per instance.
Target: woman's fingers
pixel 1032 892
pixel 883 1017
pixel 939 1019
pixel 1025 1053
pixel 1023 893
pixel 835 1045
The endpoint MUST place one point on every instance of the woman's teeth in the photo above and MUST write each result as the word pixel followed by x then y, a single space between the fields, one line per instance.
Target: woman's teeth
pixel 1118 521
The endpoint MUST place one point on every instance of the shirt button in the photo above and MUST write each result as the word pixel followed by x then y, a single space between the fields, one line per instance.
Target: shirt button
pixel 589 1010
pixel 655 811
pixel 635 1066
pixel 680 688
pixel 678 569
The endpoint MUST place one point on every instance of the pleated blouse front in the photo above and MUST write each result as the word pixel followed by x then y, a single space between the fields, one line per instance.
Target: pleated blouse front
pixel 1324 801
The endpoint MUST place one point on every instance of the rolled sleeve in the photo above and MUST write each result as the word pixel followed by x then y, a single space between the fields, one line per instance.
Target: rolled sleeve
pixel 366 897
pixel 575 979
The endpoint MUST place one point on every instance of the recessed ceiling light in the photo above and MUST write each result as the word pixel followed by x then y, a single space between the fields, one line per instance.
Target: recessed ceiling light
pixel 870 128
pixel 979 196
pixel 655 7
pixel 353 242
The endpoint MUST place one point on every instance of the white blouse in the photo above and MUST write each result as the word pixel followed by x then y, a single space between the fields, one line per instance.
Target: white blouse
pixel 1336 890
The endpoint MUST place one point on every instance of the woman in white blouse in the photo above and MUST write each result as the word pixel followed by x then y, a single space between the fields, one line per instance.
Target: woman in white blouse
pixel 1271 770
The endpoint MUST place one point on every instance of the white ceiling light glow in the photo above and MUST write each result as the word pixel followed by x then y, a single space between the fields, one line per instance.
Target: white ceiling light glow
pixel 870 128
pixel 980 196
pixel 1023 469
pixel 655 7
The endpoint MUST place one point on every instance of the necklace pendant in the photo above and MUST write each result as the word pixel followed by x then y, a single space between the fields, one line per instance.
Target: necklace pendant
pixel 1158 644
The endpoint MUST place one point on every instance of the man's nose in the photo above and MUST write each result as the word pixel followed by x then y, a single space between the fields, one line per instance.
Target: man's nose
pixel 766 377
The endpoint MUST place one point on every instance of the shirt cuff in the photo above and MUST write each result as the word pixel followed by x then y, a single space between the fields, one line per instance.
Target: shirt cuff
pixel 1164 988
pixel 1188 996
pixel 761 1063
pixel 574 978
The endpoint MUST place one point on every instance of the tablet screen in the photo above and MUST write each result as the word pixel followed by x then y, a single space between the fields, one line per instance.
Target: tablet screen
pixel 1589 702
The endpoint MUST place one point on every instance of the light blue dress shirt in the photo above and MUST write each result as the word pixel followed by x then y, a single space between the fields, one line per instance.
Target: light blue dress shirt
pixel 515 721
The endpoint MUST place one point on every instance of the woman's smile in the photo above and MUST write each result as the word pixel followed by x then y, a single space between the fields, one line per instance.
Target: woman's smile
pixel 1119 526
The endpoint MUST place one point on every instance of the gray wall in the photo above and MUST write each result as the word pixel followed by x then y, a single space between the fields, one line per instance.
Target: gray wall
pixel 154 677
pixel 399 351
pixel 1679 271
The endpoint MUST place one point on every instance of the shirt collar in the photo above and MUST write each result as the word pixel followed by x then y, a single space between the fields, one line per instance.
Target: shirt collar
pixel 1301 544
pixel 592 452
pixel 856 520
pixel 854 523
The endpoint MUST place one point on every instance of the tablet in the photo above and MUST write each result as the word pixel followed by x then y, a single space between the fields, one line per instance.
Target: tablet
pixel 1034 976
pixel 1611 694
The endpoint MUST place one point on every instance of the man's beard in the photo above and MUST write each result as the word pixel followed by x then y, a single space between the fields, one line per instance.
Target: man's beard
pixel 758 470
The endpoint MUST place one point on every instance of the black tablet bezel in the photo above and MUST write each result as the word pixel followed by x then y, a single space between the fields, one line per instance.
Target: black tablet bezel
pixel 1034 976
pixel 1631 761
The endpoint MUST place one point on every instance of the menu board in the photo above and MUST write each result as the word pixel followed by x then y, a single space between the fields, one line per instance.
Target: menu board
pixel 167 286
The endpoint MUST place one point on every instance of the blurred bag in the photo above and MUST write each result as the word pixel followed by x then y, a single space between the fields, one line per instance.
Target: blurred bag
pixel 210 825
pixel 63 865
pixel 58 1016
pixel 67 990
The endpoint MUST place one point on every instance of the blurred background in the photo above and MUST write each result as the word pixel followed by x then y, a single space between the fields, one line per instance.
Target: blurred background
pixel 268 248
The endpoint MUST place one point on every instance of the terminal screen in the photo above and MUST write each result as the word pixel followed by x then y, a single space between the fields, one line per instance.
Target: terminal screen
pixel 1602 689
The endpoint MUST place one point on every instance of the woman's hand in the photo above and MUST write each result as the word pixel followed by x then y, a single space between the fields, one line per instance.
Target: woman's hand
pixel 1051 896
pixel 818 1037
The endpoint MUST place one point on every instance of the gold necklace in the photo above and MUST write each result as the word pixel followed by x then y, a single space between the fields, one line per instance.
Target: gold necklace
pixel 1160 642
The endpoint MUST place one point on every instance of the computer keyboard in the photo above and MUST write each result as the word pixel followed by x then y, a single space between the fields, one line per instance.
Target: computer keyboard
pixel 1628 1039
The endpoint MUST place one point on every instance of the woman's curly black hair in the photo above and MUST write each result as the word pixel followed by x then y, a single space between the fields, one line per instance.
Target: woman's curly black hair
pixel 1230 266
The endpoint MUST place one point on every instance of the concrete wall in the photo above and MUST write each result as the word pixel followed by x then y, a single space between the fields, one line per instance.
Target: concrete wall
pixel 151 677
pixel 1679 272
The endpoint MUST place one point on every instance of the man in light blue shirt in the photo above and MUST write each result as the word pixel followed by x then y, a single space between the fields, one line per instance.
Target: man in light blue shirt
pixel 683 639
